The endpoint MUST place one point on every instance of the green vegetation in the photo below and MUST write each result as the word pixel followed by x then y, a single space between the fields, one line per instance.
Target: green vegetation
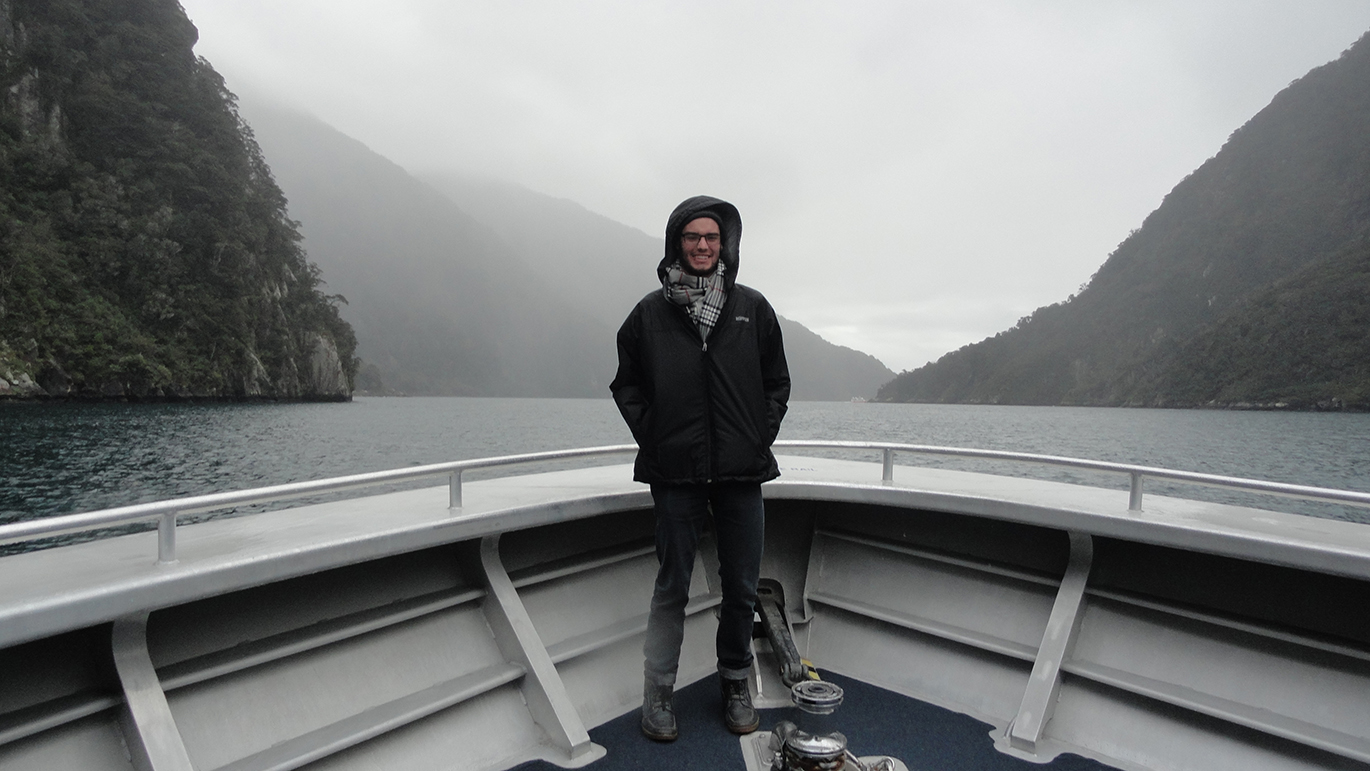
pixel 1247 287
pixel 1304 343
pixel 145 249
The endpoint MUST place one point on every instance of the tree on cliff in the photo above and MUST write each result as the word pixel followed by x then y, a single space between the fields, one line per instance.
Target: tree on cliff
pixel 144 246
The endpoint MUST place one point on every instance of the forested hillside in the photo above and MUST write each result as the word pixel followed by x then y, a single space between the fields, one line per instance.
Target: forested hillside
pixel 145 250
pixel 1240 289
pixel 1304 342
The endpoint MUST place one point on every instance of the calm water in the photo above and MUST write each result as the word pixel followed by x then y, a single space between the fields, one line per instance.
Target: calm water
pixel 59 459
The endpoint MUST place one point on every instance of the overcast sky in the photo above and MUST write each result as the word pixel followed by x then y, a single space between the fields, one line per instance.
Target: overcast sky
pixel 913 176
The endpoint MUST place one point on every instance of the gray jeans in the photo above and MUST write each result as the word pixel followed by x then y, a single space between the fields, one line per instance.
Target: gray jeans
pixel 739 522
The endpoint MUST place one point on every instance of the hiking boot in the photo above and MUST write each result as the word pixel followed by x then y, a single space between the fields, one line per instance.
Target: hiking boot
pixel 738 711
pixel 658 715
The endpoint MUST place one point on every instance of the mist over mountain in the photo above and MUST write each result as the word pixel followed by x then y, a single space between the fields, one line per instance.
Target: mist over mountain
pixel 440 304
pixel 1246 287
pixel 461 286
pixel 607 264
pixel 605 259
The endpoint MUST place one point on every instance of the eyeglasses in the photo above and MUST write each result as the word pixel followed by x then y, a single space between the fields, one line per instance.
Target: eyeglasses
pixel 693 238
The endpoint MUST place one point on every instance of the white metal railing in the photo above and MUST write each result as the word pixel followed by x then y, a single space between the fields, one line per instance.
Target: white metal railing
pixel 166 512
pixel 1137 473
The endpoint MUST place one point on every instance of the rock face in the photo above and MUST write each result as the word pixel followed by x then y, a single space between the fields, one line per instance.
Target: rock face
pixel 145 249
pixel 326 378
pixel 18 385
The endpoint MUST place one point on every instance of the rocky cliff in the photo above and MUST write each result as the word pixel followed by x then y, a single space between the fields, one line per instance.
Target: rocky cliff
pixel 145 250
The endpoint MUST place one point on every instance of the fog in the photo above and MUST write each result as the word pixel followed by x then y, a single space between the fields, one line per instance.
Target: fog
pixel 913 176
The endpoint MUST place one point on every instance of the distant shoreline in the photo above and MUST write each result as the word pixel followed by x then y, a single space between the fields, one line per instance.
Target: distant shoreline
pixel 100 399
pixel 30 399
pixel 1226 407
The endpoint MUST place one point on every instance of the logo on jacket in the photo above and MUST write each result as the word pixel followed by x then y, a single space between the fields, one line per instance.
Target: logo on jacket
pixel 741 318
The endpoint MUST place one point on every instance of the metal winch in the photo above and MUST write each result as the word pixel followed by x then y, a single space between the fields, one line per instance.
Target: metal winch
pixel 814 746
pixel 811 742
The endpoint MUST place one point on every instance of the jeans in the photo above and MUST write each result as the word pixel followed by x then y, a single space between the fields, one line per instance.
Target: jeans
pixel 739 523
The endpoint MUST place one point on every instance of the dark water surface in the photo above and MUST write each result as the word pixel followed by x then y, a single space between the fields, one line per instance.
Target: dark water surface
pixel 64 458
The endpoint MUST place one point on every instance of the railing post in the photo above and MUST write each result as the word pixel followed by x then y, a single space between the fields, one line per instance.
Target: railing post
pixel 166 539
pixel 1134 496
pixel 887 474
pixel 454 490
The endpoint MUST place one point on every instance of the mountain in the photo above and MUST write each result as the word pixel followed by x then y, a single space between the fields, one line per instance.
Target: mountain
pixel 823 371
pixel 476 287
pixel 1189 309
pixel 144 247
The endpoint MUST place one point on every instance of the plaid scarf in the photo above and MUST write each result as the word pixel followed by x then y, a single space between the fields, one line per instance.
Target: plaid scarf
pixel 702 296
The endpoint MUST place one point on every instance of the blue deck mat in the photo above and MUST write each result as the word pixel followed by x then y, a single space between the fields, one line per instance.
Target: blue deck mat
pixel 875 721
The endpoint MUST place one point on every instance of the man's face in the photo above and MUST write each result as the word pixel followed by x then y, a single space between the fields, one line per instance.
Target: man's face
pixel 699 243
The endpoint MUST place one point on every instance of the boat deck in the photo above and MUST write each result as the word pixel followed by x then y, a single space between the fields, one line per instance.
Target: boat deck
pixel 875 721
pixel 1007 623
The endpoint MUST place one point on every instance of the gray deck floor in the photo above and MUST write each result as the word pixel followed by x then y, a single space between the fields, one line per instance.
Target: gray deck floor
pixel 875 721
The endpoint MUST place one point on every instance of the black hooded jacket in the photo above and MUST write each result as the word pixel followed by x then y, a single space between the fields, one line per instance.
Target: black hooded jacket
pixel 703 411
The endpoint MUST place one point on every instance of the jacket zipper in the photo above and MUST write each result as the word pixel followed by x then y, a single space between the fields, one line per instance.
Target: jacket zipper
pixel 708 412
pixel 708 394
pixel 708 391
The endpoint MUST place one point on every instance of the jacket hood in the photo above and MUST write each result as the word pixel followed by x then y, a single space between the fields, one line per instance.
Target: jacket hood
pixel 730 225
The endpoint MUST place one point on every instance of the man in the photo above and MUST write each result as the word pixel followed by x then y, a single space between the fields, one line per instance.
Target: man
pixel 703 384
